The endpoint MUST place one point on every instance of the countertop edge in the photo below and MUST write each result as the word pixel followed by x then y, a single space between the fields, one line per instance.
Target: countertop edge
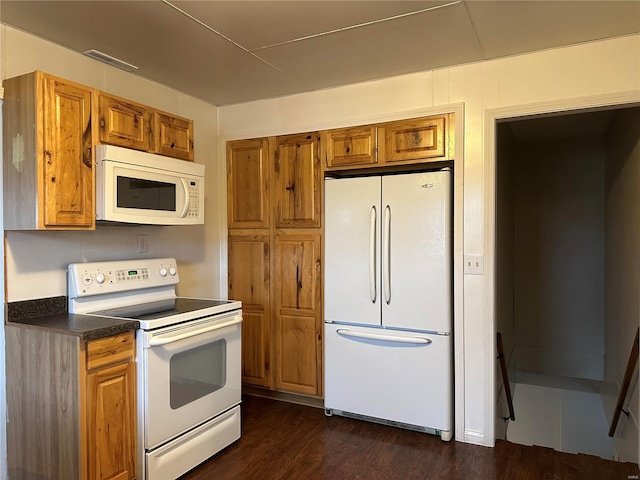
pixel 50 315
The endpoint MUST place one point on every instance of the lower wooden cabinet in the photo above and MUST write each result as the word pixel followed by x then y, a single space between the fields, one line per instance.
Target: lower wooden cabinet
pixel 297 313
pixel 249 281
pixel 71 406
pixel 278 279
pixel 111 408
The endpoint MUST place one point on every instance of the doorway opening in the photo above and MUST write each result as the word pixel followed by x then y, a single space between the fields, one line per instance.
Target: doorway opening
pixel 568 277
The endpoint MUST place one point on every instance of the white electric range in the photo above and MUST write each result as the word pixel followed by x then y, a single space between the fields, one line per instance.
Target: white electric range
pixel 188 359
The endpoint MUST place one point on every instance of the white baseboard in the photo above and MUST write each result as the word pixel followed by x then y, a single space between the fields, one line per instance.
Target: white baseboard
pixel 477 438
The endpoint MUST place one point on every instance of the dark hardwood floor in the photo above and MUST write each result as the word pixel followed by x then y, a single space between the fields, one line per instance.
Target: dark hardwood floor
pixel 286 441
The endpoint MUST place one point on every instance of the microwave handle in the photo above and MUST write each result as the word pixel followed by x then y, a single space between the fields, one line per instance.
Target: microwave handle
pixel 185 209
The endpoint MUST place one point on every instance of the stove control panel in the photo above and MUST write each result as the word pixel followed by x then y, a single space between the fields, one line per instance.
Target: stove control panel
pixel 98 278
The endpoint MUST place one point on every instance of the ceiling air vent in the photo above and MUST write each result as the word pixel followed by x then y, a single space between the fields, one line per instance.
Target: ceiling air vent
pixel 115 62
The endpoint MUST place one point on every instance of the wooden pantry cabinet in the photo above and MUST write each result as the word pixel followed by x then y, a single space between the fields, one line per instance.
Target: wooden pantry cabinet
pixel 71 405
pixel 274 195
pixel 297 310
pixel 403 142
pixel 248 184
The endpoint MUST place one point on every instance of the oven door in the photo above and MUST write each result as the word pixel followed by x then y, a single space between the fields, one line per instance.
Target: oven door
pixel 192 372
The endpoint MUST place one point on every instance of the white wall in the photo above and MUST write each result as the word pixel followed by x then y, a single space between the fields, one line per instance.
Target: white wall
pixel 36 261
pixel 561 75
pixel 622 301
pixel 559 256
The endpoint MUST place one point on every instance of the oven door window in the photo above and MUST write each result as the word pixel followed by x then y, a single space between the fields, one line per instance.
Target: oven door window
pixel 197 372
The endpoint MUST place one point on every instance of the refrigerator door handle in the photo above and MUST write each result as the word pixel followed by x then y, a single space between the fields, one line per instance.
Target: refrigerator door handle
pixel 386 265
pixel 383 337
pixel 373 282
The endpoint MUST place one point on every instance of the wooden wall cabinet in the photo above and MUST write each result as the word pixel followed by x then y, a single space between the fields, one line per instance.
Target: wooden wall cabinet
pixel 350 147
pixel 71 406
pixel 173 136
pixel 402 142
pixel 413 140
pixel 50 126
pixel 133 125
pixel 124 123
pixel 48 160
pixel 274 259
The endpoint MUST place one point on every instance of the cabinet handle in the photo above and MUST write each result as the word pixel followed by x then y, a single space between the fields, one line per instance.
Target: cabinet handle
pixel 86 159
pixel 298 287
pixel 291 187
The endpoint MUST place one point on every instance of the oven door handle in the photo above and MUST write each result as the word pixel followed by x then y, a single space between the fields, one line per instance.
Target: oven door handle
pixel 155 342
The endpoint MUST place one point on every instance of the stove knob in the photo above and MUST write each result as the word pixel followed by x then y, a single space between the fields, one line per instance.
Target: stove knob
pixel 172 271
pixel 163 272
pixel 100 278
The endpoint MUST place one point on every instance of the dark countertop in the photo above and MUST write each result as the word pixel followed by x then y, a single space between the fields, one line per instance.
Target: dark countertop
pixel 50 314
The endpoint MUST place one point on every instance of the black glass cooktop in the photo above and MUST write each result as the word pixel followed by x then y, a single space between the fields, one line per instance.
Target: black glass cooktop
pixel 161 308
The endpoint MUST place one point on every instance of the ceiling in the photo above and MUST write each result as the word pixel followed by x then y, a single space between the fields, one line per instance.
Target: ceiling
pixel 227 52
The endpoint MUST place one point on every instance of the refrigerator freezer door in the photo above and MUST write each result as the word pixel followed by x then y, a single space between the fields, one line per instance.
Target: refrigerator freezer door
pixel 416 251
pixel 406 378
pixel 352 250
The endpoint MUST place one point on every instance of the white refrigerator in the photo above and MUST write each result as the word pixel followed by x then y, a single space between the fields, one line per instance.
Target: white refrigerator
pixel 388 300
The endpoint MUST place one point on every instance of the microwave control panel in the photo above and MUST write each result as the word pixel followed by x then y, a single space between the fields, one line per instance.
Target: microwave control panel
pixel 194 200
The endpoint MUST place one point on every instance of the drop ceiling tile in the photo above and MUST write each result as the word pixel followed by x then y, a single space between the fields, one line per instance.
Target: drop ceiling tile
pixel 414 43
pixel 166 45
pixel 173 49
pixel 256 24
pixel 507 28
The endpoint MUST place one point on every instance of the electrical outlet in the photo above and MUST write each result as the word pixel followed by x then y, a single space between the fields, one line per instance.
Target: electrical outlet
pixel 474 264
pixel 143 244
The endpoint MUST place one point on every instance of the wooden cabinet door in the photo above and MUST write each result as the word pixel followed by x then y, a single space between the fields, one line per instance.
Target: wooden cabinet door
pixel 298 181
pixel 249 282
pixel 298 317
pixel 123 123
pixel 349 147
pixel 173 136
pixel 412 140
pixel 66 193
pixel 248 184
pixel 111 424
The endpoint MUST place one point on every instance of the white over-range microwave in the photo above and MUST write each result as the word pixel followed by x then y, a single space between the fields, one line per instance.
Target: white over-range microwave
pixel 143 188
